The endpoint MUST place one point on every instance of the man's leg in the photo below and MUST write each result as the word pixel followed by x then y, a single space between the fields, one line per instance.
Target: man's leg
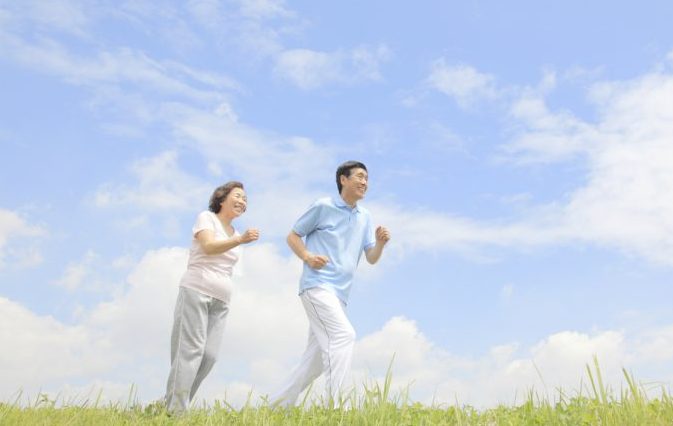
pixel 308 370
pixel 335 336
pixel 188 341
pixel 217 315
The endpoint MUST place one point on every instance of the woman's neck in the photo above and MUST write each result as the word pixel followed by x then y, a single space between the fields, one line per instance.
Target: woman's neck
pixel 225 219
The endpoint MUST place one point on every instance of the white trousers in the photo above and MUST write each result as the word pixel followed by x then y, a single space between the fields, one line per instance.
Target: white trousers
pixel 330 348
pixel 195 342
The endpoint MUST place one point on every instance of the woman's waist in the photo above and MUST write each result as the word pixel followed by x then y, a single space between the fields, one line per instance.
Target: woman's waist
pixel 208 273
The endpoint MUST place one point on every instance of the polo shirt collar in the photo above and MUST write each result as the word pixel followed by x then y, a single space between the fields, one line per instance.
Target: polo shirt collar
pixel 339 202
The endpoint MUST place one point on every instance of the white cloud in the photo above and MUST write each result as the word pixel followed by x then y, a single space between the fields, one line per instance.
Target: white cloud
pixel 626 152
pixel 123 262
pixel 254 27
pixel 500 376
pixel 624 202
pixel 158 192
pixel 91 273
pixel 165 21
pixel 245 151
pixel 25 257
pixel 506 292
pixel 200 117
pixel 161 185
pixel 44 351
pixel 13 225
pixel 116 68
pixel 274 168
pixel 310 69
pixel 21 41
pixel 13 228
pixel 462 82
pixel 264 9
pixel 656 346
pixel 443 139
pixel 193 107
pixel 125 340
pixel 68 16
pixel 117 343
pixel 152 288
pixel 75 273
pixel 547 137
pixel 428 230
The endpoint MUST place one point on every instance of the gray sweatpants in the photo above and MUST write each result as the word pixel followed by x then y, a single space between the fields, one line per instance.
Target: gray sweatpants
pixel 195 342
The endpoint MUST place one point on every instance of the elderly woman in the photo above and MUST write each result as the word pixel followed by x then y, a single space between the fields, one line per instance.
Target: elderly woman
pixel 205 292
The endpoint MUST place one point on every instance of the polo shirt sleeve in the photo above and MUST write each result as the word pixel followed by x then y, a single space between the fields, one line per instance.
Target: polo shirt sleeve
pixel 369 240
pixel 308 222
pixel 203 221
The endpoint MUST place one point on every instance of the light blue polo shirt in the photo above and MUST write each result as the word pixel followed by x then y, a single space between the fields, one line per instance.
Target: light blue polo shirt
pixel 334 229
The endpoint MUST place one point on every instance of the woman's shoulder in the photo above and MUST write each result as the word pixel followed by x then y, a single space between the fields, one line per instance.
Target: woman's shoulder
pixel 206 214
pixel 206 217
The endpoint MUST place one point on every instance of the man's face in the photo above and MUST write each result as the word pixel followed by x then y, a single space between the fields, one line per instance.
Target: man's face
pixel 355 185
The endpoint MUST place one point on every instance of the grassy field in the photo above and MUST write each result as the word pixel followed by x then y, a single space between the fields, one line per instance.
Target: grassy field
pixel 375 407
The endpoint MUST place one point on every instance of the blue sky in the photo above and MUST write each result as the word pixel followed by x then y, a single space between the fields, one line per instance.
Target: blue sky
pixel 520 154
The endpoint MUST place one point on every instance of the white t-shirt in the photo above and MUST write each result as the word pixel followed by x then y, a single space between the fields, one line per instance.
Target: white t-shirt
pixel 210 274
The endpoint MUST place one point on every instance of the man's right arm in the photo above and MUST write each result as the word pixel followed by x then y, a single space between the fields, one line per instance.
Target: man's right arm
pixel 315 261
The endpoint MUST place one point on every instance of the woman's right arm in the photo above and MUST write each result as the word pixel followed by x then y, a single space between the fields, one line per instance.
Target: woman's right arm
pixel 210 245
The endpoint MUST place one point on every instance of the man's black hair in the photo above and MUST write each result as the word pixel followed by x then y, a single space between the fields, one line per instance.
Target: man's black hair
pixel 345 170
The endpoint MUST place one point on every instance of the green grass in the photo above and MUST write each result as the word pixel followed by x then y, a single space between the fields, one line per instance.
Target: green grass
pixel 375 406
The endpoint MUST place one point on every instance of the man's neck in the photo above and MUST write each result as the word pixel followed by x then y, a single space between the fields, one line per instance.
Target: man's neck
pixel 351 201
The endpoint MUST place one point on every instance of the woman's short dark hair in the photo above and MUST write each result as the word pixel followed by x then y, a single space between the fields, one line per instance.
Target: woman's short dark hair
pixel 220 194
pixel 345 170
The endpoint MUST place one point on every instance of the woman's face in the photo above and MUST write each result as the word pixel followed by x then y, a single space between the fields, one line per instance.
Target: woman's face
pixel 235 203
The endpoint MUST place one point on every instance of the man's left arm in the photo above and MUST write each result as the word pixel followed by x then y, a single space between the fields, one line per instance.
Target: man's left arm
pixel 373 254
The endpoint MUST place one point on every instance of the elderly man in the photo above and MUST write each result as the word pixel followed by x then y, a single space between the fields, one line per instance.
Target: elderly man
pixel 337 231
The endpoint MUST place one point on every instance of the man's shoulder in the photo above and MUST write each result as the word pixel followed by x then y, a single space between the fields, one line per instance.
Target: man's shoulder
pixel 362 209
pixel 363 212
pixel 323 202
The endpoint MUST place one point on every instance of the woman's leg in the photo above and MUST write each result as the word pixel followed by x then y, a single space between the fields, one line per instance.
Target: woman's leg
pixel 188 341
pixel 217 316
